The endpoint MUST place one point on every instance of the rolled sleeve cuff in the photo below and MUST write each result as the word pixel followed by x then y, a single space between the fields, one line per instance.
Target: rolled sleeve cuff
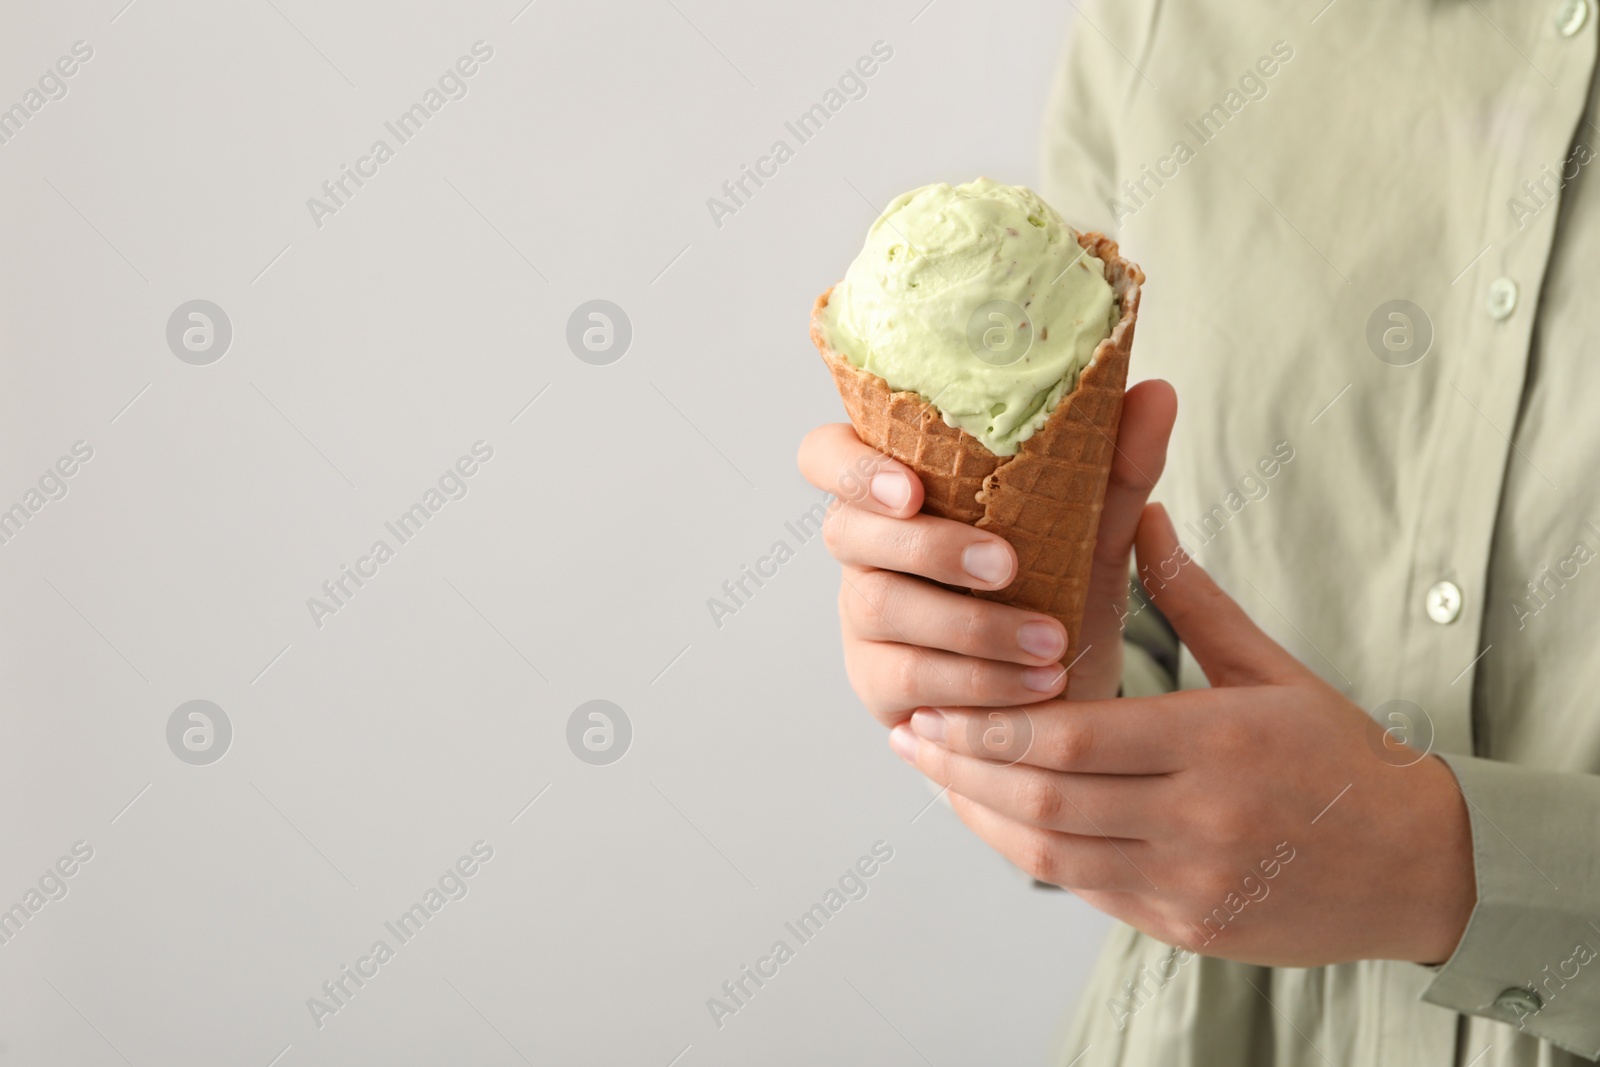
pixel 1530 955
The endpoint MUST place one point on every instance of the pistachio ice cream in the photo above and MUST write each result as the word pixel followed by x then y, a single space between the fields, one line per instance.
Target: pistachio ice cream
pixel 978 298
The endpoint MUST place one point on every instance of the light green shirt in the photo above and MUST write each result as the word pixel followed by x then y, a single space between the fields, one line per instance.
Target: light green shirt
pixel 1435 537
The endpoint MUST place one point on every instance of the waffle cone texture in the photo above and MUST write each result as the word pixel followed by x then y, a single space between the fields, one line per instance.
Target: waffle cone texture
pixel 1046 499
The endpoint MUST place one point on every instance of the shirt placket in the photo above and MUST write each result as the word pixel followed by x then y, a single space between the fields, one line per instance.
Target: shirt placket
pixel 1487 342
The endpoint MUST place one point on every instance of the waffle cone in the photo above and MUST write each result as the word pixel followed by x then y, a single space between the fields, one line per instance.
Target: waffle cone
pixel 1046 499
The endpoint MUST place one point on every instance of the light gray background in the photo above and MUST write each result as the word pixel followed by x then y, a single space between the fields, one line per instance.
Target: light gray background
pixel 367 356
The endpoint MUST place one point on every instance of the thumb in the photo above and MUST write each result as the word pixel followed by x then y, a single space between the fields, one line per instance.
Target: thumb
pixel 1230 648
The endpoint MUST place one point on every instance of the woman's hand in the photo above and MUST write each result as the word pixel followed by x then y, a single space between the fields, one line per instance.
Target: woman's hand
pixel 1266 819
pixel 910 644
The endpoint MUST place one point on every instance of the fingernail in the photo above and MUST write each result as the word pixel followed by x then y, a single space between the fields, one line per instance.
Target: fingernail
pixel 1041 639
pixel 929 725
pixel 904 743
pixel 1043 679
pixel 891 489
pixel 987 561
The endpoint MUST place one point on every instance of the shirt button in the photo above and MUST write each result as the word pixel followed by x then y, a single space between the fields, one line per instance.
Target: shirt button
pixel 1571 16
pixel 1444 602
pixel 1502 298
pixel 1518 1001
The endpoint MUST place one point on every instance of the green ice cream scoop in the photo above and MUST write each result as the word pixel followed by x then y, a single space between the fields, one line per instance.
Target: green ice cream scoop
pixel 979 298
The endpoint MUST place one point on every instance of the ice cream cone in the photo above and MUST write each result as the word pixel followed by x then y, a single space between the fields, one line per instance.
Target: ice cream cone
pixel 1046 499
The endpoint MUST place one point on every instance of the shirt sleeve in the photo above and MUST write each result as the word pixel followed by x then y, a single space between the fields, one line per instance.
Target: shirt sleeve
pixel 1530 955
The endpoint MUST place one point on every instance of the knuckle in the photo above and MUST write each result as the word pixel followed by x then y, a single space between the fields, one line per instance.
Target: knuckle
pixel 1069 745
pixel 834 529
pixel 969 623
pixel 875 602
pixel 1223 826
pixel 1039 859
pixel 975 680
pixel 913 547
pixel 876 686
pixel 1217 885
pixel 1174 930
pixel 903 681
pixel 1037 799
pixel 1230 737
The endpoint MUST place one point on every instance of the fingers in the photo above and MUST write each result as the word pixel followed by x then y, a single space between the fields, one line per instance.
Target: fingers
pixel 1141 453
pixel 882 606
pixel 1068 860
pixel 833 459
pixel 893 680
pixel 1119 806
pixel 1230 648
pixel 1098 738
pixel 1148 413
pixel 942 549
